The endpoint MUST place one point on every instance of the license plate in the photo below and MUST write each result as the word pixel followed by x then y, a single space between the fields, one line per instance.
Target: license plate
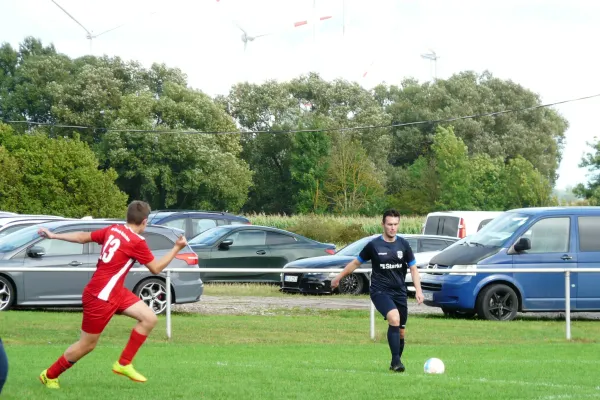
pixel 290 278
pixel 428 295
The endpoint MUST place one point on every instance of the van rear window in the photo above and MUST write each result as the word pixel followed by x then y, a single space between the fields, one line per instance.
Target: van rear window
pixel 442 225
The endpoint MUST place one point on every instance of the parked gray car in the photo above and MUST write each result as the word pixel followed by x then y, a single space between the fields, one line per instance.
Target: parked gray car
pixel 12 224
pixel 25 248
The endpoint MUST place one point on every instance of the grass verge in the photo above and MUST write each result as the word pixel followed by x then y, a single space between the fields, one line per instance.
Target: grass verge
pixel 320 354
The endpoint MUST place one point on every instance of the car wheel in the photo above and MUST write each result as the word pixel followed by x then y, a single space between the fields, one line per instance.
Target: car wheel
pixel 153 292
pixel 7 294
pixel 351 284
pixel 498 302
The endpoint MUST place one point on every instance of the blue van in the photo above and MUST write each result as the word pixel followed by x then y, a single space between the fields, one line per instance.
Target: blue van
pixel 555 237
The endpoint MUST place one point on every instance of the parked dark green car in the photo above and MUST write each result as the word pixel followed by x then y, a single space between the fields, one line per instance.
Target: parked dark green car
pixel 252 246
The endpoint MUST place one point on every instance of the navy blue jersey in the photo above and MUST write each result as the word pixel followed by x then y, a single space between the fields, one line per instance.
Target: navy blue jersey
pixel 390 262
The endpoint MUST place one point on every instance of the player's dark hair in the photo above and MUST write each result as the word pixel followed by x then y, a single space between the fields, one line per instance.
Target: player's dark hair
pixel 390 213
pixel 137 212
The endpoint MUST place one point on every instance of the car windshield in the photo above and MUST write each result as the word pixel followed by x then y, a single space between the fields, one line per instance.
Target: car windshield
pixel 209 236
pixel 353 249
pixel 18 238
pixel 498 231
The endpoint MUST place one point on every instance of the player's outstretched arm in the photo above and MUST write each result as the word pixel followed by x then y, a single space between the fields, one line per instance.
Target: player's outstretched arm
pixel 75 237
pixel 352 265
pixel 156 266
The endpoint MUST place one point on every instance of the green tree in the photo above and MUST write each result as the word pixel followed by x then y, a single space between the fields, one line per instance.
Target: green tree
pixel 178 170
pixel 453 170
pixel 10 180
pixel 537 135
pixel 417 188
pixel 309 165
pixel 346 105
pixel 487 189
pixel 43 175
pixel 267 108
pixel 353 184
pixel 450 179
pixel 281 162
pixel 524 185
pixel 591 161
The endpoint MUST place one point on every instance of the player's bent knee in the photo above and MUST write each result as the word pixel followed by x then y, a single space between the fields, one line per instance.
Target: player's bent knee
pixel 401 333
pixel 393 318
pixel 150 320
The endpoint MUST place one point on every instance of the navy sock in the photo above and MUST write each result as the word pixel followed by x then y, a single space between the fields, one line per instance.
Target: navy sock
pixel 401 347
pixel 393 335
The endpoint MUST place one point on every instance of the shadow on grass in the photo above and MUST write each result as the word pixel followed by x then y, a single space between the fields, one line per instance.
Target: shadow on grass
pixel 550 316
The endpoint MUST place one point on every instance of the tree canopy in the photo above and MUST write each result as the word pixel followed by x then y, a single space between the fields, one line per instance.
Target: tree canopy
pixel 133 118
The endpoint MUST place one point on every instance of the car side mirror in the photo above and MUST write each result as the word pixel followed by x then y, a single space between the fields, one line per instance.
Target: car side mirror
pixel 36 251
pixel 225 244
pixel 522 245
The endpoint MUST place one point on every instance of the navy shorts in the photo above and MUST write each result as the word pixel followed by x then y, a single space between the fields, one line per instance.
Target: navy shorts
pixel 385 302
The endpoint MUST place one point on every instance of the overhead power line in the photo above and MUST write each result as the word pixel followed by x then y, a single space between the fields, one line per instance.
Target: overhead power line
pixel 355 128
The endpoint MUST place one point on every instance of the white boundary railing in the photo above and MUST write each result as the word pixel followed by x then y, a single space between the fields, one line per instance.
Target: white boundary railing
pixel 566 271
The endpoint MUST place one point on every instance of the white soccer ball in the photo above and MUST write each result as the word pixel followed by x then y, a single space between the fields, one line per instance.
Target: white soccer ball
pixel 434 366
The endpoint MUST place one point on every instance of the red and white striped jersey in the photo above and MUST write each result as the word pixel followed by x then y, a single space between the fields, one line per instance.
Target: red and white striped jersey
pixel 121 247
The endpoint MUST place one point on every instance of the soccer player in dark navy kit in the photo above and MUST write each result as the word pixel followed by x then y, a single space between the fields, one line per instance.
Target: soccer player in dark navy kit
pixel 3 366
pixel 390 256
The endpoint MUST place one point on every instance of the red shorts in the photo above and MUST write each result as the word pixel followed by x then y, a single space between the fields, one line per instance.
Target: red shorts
pixel 98 313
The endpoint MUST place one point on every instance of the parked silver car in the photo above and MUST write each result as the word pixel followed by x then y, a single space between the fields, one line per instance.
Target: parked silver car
pixel 15 223
pixel 25 248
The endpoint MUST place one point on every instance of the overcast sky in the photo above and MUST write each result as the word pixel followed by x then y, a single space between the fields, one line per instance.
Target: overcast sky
pixel 545 45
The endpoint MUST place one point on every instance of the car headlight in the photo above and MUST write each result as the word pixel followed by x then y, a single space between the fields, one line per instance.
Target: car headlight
pixel 463 268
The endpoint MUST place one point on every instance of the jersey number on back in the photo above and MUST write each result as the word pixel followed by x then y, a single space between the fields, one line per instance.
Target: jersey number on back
pixel 110 247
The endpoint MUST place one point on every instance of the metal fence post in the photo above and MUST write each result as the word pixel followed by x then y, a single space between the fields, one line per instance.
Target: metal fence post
pixel 372 313
pixel 168 284
pixel 372 321
pixel 568 303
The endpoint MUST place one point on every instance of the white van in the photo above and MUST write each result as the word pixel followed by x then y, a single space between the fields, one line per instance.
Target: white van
pixel 457 223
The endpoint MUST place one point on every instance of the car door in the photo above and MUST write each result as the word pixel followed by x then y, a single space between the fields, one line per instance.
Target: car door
pixel 588 256
pixel 57 287
pixel 552 246
pixel 284 248
pixel 249 250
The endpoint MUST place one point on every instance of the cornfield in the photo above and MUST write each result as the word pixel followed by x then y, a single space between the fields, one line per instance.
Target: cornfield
pixel 334 229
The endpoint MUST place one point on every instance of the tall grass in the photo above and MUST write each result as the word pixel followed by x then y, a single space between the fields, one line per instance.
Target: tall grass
pixel 333 228
pixel 371 225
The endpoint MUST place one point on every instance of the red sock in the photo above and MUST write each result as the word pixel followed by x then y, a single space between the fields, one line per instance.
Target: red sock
pixel 60 366
pixel 136 340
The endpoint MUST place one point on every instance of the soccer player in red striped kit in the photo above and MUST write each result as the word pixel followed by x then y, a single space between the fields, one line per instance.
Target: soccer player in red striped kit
pixel 105 295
